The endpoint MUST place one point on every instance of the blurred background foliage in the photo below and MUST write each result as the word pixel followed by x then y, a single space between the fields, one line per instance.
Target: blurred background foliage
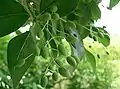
pixel 106 76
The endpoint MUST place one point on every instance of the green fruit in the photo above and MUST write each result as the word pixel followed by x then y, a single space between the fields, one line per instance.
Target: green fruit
pixel 20 63
pixel 40 34
pixel 54 8
pixel 64 72
pixel 55 16
pixel 55 76
pixel 70 24
pixel 101 35
pixel 71 61
pixel 76 59
pixel 62 50
pixel 95 29
pixel 95 38
pixel 59 62
pixel 90 35
pixel 45 17
pixel 44 52
pixel 44 81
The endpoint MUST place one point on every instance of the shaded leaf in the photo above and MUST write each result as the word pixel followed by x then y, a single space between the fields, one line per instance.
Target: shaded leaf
pixel 66 6
pixel 95 11
pixel 83 14
pixel 12 16
pixel 21 47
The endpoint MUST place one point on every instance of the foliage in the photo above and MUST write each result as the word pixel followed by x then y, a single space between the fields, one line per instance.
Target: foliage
pixel 55 37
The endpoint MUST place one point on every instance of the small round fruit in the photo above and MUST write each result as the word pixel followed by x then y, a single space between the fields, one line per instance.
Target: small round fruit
pixel 46 17
pixel 59 62
pixel 55 76
pixel 55 16
pixel 90 35
pixel 44 81
pixel 100 34
pixel 76 59
pixel 54 8
pixel 44 52
pixel 64 72
pixel 71 61
pixel 62 50
pixel 95 38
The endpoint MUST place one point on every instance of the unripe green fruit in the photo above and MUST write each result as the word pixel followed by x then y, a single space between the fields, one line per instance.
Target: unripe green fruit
pixel 90 35
pixel 20 63
pixel 95 29
pixel 55 16
pixel 71 61
pixel 101 35
pixel 59 62
pixel 62 50
pixel 54 8
pixel 64 72
pixel 44 52
pixel 40 34
pixel 55 76
pixel 76 59
pixel 95 38
pixel 45 17
pixel 44 81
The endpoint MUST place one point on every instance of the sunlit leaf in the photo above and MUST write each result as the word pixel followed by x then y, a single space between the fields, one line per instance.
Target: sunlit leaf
pixel 91 59
pixel 113 3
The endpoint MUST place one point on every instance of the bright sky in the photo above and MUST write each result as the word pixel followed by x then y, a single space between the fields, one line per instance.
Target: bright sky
pixel 110 18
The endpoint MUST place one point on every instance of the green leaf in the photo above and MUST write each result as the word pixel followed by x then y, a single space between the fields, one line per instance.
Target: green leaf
pixel 45 4
pixel 91 59
pixel 12 16
pixel 66 6
pixel 105 40
pixel 83 31
pixel 21 47
pixel 83 14
pixel 95 11
pixel 113 3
